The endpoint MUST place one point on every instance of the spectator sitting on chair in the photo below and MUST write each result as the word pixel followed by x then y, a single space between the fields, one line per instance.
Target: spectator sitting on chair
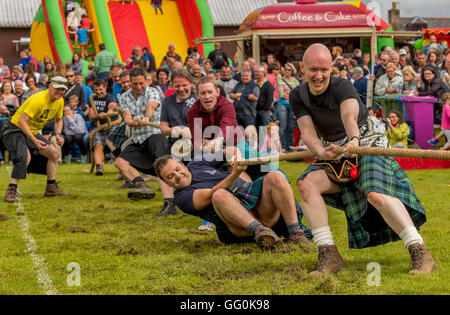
pixel 74 131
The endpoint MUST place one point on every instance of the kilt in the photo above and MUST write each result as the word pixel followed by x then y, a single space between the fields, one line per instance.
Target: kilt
pixel 248 195
pixel 365 225
pixel 100 138
pixel 117 135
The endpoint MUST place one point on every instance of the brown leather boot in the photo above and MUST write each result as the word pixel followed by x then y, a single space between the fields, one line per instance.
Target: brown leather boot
pixel 10 195
pixel 301 239
pixel 53 190
pixel 421 260
pixel 266 238
pixel 329 261
pixel 141 191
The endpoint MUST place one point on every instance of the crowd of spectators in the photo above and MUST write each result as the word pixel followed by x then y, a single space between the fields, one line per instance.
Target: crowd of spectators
pixel 259 93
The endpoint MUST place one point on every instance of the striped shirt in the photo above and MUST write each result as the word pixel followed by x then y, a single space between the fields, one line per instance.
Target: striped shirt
pixel 138 108
pixel 285 87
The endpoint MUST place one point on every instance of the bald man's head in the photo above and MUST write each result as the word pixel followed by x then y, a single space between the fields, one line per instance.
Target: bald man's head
pixel 317 51
pixel 317 65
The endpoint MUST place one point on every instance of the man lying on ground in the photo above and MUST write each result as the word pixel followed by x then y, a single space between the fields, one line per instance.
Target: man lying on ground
pixel 242 210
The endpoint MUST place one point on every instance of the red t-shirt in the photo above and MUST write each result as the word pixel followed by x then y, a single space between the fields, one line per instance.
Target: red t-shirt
pixel 86 23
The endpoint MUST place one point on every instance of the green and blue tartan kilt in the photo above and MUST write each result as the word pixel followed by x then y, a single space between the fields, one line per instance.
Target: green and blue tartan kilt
pixel 249 194
pixel 117 135
pixel 365 225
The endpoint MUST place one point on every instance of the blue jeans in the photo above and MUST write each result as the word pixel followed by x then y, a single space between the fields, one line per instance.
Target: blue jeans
pixel 156 6
pixel 285 115
pixel 263 118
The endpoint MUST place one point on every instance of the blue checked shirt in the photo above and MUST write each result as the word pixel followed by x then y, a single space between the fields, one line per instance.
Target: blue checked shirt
pixel 137 108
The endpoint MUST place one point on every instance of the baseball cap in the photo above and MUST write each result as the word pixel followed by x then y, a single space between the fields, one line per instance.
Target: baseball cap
pixel 59 82
pixel 402 52
pixel 358 70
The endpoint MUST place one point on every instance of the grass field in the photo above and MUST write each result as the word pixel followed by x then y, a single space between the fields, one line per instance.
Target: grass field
pixel 121 248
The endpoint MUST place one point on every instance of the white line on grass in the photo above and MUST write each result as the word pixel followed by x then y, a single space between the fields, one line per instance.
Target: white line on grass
pixel 40 266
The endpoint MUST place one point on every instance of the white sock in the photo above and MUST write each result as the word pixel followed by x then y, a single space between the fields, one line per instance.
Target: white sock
pixel 410 236
pixel 322 236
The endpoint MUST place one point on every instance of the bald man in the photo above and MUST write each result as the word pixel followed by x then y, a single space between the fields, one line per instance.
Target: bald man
pixel 380 204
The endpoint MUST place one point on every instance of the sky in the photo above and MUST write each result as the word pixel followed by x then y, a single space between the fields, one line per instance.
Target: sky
pixel 411 8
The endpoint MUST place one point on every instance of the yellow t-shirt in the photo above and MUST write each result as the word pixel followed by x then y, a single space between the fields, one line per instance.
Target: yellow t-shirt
pixel 40 110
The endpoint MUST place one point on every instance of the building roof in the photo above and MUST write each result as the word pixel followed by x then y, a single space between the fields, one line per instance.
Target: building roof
pixel 233 12
pixel 18 13
pixel 432 22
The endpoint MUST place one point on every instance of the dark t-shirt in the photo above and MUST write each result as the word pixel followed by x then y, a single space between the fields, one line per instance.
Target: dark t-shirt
pixel 102 105
pixel 324 109
pixel 205 175
pixel 176 113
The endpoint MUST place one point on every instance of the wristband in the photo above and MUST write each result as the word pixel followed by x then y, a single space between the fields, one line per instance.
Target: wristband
pixel 354 137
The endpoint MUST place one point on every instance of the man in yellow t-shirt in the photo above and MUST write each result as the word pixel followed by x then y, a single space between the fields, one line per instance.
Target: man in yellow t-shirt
pixel 30 151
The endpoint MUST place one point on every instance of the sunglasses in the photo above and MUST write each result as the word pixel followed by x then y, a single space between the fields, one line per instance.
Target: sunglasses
pixel 70 76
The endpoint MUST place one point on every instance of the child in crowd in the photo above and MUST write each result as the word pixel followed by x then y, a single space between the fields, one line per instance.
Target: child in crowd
pixel 72 20
pixel 157 5
pixel 77 107
pixel 81 36
pixel 445 123
pixel 272 142
pixel 377 114
pixel 74 131
pixel 86 22
pixel 251 137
